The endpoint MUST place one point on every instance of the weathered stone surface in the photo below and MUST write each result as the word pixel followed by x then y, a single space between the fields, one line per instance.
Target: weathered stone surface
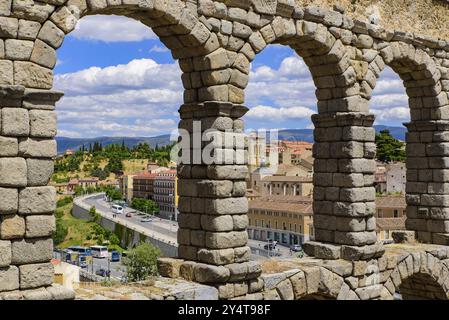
pixel 10 200
pixel 43 54
pixel 36 275
pixel 35 200
pixel 210 274
pixel 15 122
pixel 32 251
pixel 37 148
pixel 169 267
pixel 13 172
pixel 5 253
pixel 32 75
pixel 223 240
pixel 18 49
pixel 51 34
pixel 40 226
pixel 12 227
pixel 39 171
pixel 59 292
pixel 9 147
pixel 28 29
pixel 9 278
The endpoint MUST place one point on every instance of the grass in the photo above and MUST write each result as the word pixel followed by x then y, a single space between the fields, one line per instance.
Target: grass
pixel 78 230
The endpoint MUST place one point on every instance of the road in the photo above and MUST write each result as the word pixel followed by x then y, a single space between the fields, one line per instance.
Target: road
pixel 168 229
pixel 164 227
pixel 117 269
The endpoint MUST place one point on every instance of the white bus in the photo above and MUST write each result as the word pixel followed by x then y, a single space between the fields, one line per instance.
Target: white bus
pixel 99 251
pixel 117 209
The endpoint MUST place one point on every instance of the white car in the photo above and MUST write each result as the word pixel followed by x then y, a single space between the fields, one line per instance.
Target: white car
pixel 146 219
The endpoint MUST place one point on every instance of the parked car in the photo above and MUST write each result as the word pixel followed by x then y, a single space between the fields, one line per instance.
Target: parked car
pixel 146 219
pixel 115 256
pixel 269 246
pixel 102 272
pixel 296 248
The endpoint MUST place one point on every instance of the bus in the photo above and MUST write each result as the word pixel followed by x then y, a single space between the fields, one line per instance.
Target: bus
pixel 84 250
pixel 99 251
pixel 117 209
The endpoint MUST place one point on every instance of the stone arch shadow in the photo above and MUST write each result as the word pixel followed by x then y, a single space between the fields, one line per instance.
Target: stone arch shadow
pixel 420 276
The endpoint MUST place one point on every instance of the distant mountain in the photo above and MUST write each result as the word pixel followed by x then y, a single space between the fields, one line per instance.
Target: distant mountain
pixel 65 143
pixel 307 134
pixel 288 134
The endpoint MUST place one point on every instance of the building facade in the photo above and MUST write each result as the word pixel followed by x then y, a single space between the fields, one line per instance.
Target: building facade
pixel 143 185
pixel 287 220
pixel 396 177
pixel 166 194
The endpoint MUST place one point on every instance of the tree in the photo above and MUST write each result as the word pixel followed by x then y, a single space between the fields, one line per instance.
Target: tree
pixel 141 262
pixel 388 148
pixel 60 232
pixel 145 205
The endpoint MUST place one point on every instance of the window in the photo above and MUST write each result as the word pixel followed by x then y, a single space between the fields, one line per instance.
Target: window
pixel 396 213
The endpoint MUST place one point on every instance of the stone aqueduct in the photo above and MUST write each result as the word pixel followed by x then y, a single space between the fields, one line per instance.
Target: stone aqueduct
pixel 215 42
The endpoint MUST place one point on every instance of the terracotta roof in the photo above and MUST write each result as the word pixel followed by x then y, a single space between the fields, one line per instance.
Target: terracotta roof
pixel 145 176
pixel 300 208
pixel 391 202
pixel 390 223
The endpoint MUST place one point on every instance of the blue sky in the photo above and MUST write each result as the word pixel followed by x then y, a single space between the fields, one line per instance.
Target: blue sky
pixel 119 79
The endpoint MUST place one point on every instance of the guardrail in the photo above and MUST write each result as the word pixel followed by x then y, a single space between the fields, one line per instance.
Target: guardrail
pixel 80 202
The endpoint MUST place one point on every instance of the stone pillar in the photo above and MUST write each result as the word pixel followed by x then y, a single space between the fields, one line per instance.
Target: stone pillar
pixel 213 207
pixel 27 146
pixel 294 189
pixel 271 188
pixel 285 189
pixel 344 196
pixel 428 180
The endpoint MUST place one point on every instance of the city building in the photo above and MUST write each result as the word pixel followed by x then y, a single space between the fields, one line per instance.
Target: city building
pixel 126 186
pixel 396 177
pixel 390 178
pixel 90 182
pixel 143 185
pixel 390 215
pixel 380 178
pixel 166 194
pixel 287 220
pixel 390 206
pixel 286 186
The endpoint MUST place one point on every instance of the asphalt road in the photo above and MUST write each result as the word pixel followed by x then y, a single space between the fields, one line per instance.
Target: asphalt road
pixel 163 226
pixel 169 228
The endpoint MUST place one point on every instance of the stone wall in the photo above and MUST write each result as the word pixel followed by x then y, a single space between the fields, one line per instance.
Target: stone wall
pixel 130 236
pixel 412 270
pixel 215 42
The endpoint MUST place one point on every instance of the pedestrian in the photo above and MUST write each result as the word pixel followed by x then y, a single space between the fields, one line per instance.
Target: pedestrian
pixel 290 250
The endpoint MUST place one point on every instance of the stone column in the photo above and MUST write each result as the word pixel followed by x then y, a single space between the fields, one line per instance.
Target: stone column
pixel 285 189
pixel 27 146
pixel 344 196
pixel 294 189
pixel 213 207
pixel 427 185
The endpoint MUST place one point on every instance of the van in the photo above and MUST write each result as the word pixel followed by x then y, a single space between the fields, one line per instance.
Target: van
pixel 117 209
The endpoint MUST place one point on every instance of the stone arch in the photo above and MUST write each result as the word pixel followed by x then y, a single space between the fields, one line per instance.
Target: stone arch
pixel 174 22
pixel 419 276
pixel 327 58
pixel 420 75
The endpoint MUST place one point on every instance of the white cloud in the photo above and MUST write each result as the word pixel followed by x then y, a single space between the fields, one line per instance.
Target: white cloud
pixel 137 74
pixel 267 113
pixel 159 49
pixel 397 114
pixel 136 99
pixel 111 28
